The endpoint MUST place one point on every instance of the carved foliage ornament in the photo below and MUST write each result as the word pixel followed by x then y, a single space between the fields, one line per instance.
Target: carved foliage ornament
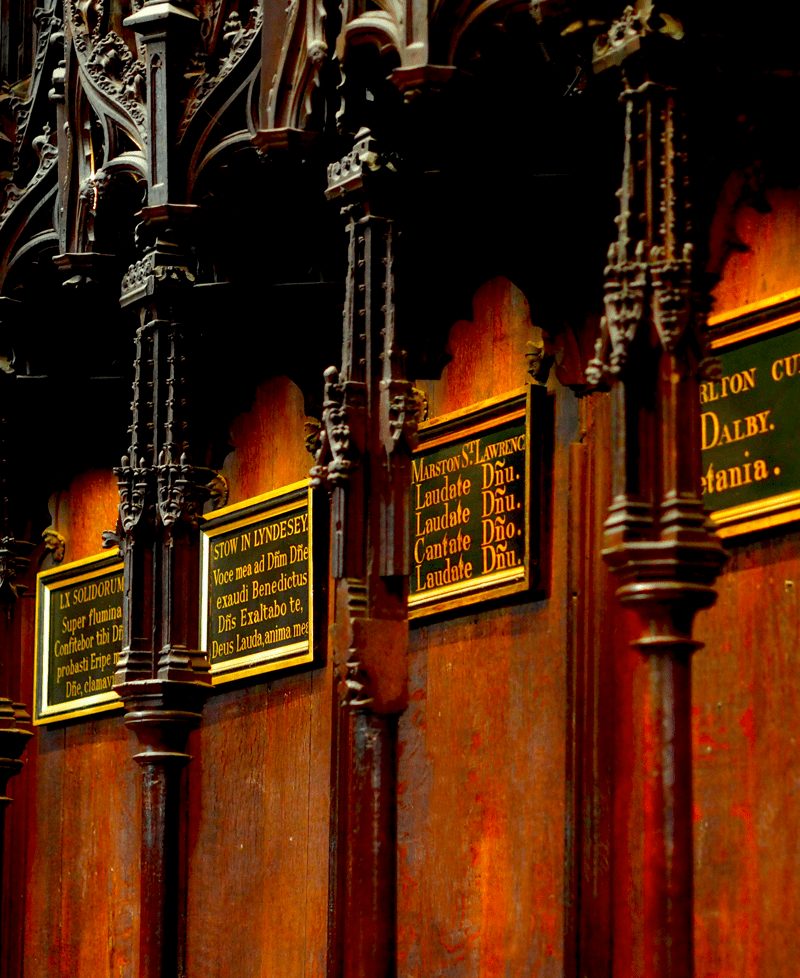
pixel 336 455
pixel 672 295
pixel 405 408
pixel 182 491
pixel 135 494
pixel 113 75
pixel 35 151
pixel 223 49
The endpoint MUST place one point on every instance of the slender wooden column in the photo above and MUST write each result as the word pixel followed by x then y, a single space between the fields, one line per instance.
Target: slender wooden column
pixel 369 422
pixel 161 675
pixel 657 539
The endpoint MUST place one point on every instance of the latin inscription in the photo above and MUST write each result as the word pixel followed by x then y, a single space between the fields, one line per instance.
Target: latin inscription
pixel 79 641
pixel 257 588
pixel 748 424
pixel 469 495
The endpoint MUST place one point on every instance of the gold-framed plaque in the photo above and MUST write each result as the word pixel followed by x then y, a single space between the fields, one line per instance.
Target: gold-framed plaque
pixel 256 585
pixel 749 418
pixel 477 503
pixel 78 638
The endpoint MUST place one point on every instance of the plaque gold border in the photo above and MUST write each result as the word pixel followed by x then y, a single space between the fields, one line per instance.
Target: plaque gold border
pixel 750 322
pixel 458 426
pixel 286 499
pixel 47 582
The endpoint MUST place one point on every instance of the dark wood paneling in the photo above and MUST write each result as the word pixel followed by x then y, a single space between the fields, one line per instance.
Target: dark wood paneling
pixel 747 766
pixel 259 831
pixel 482 761
pixel 259 782
pixel 746 690
pixel 78 851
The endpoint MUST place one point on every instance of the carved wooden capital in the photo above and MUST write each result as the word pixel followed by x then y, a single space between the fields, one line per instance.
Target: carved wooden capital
pixel 644 28
pixel 363 175
pixel 182 492
pixel 162 713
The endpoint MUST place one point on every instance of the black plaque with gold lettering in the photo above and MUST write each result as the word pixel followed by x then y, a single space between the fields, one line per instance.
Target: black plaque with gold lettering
pixel 78 638
pixel 257 585
pixel 749 421
pixel 476 505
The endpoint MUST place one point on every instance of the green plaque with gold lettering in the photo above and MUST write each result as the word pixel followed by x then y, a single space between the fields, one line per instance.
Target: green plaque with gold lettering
pixel 749 421
pixel 257 592
pixel 78 638
pixel 477 503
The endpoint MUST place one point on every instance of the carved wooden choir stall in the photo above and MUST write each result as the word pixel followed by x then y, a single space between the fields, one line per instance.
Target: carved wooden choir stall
pixel 379 383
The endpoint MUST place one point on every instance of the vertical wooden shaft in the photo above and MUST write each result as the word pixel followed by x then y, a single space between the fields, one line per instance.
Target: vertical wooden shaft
pixel 652 350
pixel 160 872
pixel 667 880
pixel 368 842
pixel 369 421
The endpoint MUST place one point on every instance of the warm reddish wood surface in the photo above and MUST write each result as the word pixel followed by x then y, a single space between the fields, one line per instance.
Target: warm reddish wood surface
pixel 746 693
pixel 79 792
pixel 591 693
pixel 481 771
pixel 747 767
pixel 258 845
pixel 488 353
pixel 82 511
pixel 85 853
pixel 268 442
pixel 259 783
pixel 764 262
pixel 499 816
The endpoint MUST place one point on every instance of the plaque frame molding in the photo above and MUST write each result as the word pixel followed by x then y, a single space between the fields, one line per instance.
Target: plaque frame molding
pixel 471 421
pixel 756 320
pixel 248 512
pixel 47 582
